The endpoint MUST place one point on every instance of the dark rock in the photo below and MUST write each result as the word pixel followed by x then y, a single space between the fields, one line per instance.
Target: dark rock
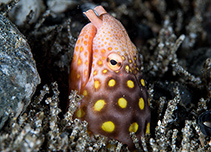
pixel 197 59
pixel 18 73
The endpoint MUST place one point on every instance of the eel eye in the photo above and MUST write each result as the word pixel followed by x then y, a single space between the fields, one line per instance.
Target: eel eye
pixel 114 61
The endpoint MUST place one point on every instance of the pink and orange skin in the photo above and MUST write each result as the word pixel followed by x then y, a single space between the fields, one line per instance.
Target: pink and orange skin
pixel 106 70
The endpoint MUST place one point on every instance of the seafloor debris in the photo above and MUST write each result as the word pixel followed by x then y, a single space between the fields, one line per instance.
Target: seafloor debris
pixel 24 8
pixel 175 50
pixel 60 6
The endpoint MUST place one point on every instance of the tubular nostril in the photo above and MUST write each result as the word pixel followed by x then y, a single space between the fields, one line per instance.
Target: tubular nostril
pixel 95 20
pixel 100 10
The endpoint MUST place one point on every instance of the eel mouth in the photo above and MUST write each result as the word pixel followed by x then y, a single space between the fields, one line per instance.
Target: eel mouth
pixel 95 17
